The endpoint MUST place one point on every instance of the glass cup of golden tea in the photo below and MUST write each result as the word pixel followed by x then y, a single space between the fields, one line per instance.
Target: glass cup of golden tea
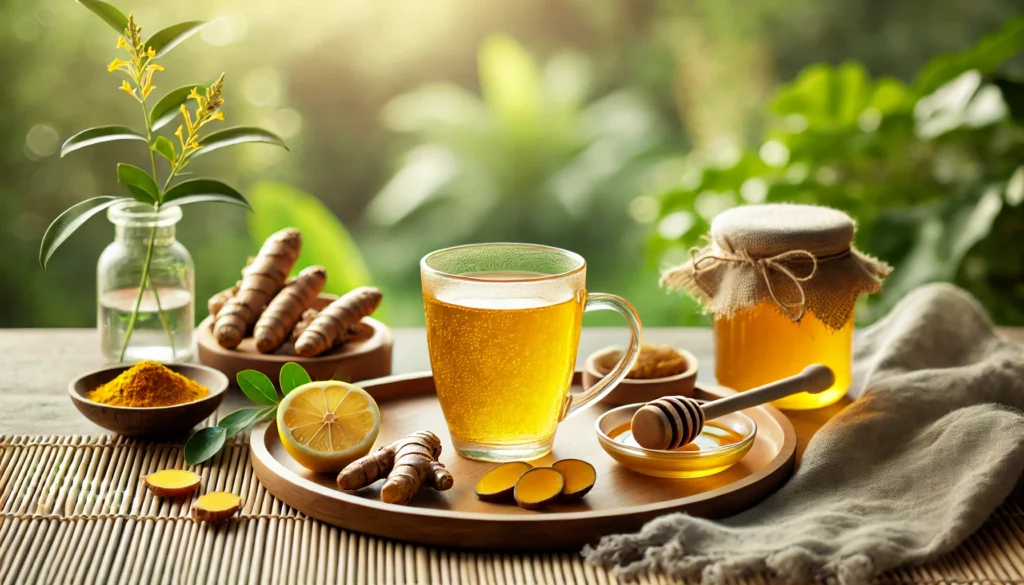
pixel 503 328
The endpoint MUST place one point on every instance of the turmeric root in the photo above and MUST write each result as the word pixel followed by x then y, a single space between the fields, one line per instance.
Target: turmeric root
pixel 409 464
pixel 308 316
pixel 172 483
pixel 287 307
pixel 332 323
pixel 215 507
pixel 217 301
pixel 261 280
pixel 361 331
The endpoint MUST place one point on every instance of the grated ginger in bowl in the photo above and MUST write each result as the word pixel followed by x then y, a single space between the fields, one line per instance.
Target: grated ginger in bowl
pixel 655 361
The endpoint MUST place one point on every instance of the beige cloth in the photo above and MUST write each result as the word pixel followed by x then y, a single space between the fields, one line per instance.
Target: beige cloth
pixel 799 257
pixel 902 475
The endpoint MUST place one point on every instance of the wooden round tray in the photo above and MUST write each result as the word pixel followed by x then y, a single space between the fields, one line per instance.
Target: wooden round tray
pixel 621 501
pixel 360 359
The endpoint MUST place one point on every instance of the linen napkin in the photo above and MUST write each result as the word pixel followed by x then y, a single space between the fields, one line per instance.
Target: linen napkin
pixel 932 446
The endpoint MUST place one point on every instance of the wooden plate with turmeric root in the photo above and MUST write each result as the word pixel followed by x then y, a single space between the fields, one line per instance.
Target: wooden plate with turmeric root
pixel 367 354
pixel 448 511
pixel 267 319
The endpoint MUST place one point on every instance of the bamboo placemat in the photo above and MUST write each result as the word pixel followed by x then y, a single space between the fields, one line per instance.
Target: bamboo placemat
pixel 74 510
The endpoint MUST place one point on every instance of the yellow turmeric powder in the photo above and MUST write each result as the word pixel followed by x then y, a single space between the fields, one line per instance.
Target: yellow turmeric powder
pixel 148 383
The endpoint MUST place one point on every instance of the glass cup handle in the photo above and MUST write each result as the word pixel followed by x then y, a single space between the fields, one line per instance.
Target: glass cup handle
pixel 605 302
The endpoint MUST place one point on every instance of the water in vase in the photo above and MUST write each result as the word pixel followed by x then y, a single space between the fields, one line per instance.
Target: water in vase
pixel 150 339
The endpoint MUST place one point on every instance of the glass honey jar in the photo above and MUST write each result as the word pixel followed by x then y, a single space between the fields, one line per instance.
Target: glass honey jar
pixel 781 281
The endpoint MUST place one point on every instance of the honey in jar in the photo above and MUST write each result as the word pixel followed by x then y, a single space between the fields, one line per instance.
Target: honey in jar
pixel 756 346
pixel 781 281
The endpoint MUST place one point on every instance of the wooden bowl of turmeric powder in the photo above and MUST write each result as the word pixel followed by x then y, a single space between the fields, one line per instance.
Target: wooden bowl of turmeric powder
pixel 660 370
pixel 149 399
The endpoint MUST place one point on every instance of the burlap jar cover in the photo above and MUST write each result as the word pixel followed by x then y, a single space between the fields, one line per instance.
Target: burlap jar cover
pixel 799 257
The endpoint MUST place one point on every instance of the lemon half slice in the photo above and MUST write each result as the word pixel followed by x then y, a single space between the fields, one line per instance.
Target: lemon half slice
pixel 325 426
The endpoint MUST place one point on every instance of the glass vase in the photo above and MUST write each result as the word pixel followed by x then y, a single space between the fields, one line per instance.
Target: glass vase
pixel 152 319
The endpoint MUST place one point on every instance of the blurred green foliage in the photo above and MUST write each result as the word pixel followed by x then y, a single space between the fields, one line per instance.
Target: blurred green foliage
pixel 533 158
pixel 929 169
pixel 617 100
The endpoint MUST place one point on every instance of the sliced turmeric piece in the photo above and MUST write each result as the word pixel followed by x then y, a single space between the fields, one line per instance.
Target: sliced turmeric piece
pixel 579 477
pixel 286 310
pixel 215 507
pixel 498 484
pixel 172 483
pixel 539 487
pixel 335 320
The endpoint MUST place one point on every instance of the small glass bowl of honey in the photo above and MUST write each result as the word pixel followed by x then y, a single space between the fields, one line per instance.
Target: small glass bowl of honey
pixel 722 443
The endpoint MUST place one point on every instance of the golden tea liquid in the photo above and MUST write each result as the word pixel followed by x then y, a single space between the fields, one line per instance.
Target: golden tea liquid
pixel 502 366
pixel 761 345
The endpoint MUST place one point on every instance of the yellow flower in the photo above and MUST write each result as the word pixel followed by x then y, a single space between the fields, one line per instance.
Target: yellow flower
pixel 147 85
pixel 120 43
pixel 151 53
pixel 180 135
pixel 188 119
pixel 127 88
pixel 218 116
pixel 119 64
pixel 195 96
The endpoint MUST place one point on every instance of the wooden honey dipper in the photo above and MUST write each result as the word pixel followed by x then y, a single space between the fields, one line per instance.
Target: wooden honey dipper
pixel 673 421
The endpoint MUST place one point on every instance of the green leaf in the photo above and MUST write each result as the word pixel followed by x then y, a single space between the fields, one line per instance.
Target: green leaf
pixel 204 444
pixel 165 148
pixel 325 241
pixel 133 176
pixel 239 135
pixel 165 40
pixel 69 221
pixel 112 16
pixel 140 195
pixel 98 135
pixel 169 106
pixel 257 386
pixel 292 376
pixel 203 190
pixel 990 52
pixel 1013 95
pixel 206 199
pixel 242 419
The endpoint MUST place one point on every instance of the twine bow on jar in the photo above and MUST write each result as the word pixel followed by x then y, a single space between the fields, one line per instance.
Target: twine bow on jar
pixel 796 310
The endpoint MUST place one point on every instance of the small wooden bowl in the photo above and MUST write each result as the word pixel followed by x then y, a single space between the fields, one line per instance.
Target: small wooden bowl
pixel 359 359
pixel 632 390
pixel 152 421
